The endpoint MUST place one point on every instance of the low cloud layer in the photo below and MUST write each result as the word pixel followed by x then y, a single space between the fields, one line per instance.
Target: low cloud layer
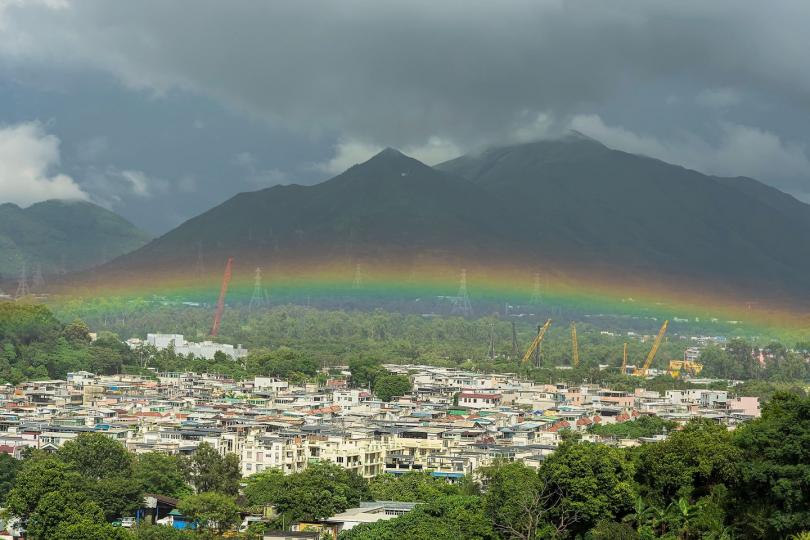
pixel 29 166
pixel 738 150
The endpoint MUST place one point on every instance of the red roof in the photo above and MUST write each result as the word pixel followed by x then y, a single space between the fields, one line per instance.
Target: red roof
pixel 479 396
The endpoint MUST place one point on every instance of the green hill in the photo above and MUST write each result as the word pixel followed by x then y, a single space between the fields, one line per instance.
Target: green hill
pixel 573 203
pixel 601 207
pixel 62 236
pixel 389 205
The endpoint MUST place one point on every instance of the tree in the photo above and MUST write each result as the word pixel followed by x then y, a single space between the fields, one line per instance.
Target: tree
pixel 283 362
pixel 610 530
pixel 718 363
pixel 410 487
pixel 447 518
pixel 86 530
pixel 209 471
pixel 689 463
pixel 8 472
pixel 59 509
pixel 161 532
pixel 160 473
pixel 321 490
pixel 519 502
pixel 742 356
pixel 117 495
pixel 264 487
pixel 39 475
pixel 644 426
pixel 389 386
pixel 214 511
pixel 95 456
pixel 364 372
pixel 596 482
pixel 775 468
pixel 77 331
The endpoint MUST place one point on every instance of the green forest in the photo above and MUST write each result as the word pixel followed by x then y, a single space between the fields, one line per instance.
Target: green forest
pixel 297 342
pixel 703 482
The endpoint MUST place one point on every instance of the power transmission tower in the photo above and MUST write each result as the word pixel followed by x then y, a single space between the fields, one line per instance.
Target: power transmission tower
pixel 536 295
pixel 22 284
pixel 461 303
pixel 491 352
pixel 37 282
pixel 260 298
pixel 199 268
pixel 357 283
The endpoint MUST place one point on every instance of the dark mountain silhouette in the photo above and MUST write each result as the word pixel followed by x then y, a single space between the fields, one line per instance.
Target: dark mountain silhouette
pixel 572 203
pixel 600 206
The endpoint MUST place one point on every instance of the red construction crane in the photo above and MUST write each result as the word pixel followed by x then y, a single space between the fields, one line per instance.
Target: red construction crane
pixel 226 279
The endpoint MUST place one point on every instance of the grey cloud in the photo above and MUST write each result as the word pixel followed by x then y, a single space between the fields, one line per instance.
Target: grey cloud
pixel 431 77
pixel 738 150
pixel 400 73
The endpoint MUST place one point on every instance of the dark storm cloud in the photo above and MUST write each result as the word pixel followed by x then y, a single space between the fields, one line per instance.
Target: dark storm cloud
pixel 436 77
pixel 401 72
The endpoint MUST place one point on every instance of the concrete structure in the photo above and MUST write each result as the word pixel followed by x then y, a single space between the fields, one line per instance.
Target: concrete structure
pixel 205 349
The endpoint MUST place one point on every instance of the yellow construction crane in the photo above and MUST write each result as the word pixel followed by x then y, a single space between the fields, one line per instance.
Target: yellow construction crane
pixel 624 360
pixel 541 332
pixel 574 346
pixel 651 356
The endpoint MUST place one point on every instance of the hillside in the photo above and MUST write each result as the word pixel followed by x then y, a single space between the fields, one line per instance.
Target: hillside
pixel 387 206
pixel 599 206
pixel 572 205
pixel 62 236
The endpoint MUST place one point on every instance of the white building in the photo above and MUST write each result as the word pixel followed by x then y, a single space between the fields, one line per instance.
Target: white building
pixel 205 349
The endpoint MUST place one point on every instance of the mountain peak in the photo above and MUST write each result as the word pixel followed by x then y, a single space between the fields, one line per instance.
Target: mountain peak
pixel 390 155
pixel 389 162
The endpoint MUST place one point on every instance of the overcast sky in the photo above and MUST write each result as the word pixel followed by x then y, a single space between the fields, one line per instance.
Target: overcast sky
pixel 161 109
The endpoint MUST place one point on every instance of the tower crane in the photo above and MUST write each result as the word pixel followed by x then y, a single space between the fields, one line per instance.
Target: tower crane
pixel 226 280
pixel 541 332
pixel 651 356
pixel 574 346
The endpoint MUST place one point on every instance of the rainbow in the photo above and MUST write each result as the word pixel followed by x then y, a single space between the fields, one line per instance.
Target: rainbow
pixel 423 280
